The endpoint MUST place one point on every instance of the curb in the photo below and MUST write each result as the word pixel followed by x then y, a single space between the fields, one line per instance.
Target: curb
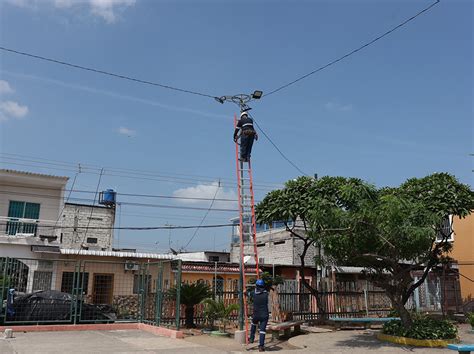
pixel 430 343
pixel 160 331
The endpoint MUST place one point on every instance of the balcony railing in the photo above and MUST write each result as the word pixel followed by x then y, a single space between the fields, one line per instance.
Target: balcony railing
pixel 26 227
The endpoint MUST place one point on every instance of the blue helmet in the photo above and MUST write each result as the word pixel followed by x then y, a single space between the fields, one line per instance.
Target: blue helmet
pixel 260 283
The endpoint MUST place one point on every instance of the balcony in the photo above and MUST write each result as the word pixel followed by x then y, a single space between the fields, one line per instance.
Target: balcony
pixel 20 227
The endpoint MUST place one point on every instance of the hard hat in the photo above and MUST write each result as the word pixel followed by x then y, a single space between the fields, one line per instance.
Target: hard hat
pixel 243 113
pixel 260 283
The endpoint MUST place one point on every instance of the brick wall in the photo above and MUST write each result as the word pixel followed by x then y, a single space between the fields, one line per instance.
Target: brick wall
pixel 276 247
pixel 75 215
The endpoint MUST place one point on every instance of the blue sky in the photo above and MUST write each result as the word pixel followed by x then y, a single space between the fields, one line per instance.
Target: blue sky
pixel 399 109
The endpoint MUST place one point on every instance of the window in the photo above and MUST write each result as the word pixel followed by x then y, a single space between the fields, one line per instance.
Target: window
pixel 261 260
pixel 92 240
pixel 279 242
pixel 22 210
pixel 67 282
pixel 446 229
pixel 213 258
pixel 218 285
pixel 145 283
pixel 42 280
pixel 260 245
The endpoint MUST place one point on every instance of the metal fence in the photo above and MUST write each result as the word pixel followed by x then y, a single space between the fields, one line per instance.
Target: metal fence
pixel 84 291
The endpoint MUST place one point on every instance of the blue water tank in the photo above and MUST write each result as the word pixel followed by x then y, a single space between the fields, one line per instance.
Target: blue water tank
pixel 108 197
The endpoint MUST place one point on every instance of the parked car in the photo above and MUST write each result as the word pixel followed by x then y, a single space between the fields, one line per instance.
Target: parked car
pixel 52 305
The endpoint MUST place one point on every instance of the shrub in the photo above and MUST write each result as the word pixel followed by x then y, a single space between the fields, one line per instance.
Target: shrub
pixel 422 328
pixel 470 318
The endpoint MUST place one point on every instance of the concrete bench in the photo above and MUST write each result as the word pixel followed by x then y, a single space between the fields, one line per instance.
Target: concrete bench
pixel 462 348
pixel 286 328
pixel 367 322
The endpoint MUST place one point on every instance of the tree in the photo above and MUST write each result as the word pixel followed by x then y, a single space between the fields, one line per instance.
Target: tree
pixel 389 231
pixel 191 295
pixel 314 208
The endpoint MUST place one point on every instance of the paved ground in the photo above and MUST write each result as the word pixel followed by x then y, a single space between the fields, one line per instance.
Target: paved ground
pixel 134 341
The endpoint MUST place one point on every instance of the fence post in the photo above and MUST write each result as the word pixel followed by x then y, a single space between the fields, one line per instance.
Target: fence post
pixel 366 299
pixel 178 295
pixel 159 295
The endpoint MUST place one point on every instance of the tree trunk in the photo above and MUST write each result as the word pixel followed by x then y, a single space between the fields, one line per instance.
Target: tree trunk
pixel 405 316
pixel 189 316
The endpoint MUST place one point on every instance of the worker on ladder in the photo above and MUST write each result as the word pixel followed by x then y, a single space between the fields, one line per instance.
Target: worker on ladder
pixel 260 314
pixel 247 135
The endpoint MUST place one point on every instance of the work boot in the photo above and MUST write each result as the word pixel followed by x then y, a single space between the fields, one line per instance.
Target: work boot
pixel 261 349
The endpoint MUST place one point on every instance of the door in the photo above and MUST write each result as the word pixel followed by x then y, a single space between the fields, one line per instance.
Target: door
pixel 102 292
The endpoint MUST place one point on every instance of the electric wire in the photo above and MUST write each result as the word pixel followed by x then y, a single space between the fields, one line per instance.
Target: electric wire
pixel 103 72
pixel 367 44
pixel 276 147
pixel 204 217
pixel 134 228
pixel 92 209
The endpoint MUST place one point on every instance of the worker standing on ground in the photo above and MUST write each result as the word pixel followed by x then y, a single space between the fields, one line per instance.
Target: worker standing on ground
pixel 260 314
pixel 247 135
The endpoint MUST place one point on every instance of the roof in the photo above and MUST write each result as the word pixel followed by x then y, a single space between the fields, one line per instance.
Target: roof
pixel 25 173
pixel 70 251
pixel 211 268
pixel 88 205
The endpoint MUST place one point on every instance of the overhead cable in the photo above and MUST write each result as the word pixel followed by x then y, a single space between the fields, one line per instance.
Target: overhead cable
pixel 363 46
pixel 103 72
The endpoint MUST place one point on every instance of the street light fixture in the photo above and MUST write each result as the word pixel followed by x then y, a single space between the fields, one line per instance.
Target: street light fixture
pixel 257 94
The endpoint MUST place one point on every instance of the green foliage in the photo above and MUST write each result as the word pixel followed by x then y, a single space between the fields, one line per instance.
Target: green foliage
pixel 191 294
pixel 269 280
pixel 388 231
pixel 422 328
pixel 470 318
pixel 217 310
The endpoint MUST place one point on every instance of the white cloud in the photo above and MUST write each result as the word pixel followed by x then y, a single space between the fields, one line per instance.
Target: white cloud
pixel 335 106
pixel 11 109
pixel 106 9
pixel 5 87
pixel 126 131
pixel 208 191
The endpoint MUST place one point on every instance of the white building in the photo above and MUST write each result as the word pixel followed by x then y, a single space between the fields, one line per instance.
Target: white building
pixel 30 205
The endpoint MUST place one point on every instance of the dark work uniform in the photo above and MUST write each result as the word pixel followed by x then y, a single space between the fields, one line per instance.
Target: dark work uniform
pixel 247 135
pixel 260 315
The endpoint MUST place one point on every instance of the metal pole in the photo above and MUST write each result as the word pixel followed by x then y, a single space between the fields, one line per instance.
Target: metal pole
pixel 178 295
pixel 215 280
pixel 241 295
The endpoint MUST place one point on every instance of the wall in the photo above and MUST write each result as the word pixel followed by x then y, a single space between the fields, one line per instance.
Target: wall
pixel 463 252
pixel 45 190
pixel 79 215
pixel 276 247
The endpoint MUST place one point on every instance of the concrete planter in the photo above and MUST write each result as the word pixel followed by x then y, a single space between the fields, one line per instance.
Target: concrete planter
pixel 430 343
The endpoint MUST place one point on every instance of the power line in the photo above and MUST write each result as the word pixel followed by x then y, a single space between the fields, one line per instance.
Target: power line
pixel 92 209
pixel 124 203
pixel 276 147
pixel 103 72
pixel 204 217
pixel 135 228
pixel 353 51
pixel 263 186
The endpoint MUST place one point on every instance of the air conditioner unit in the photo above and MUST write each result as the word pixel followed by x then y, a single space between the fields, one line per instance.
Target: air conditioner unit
pixel 131 265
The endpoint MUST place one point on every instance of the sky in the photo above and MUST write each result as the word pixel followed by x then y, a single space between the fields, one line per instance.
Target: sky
pixel 400 108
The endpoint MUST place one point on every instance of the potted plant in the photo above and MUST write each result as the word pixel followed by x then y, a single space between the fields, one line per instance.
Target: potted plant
pixel 217 310
pixel 470 319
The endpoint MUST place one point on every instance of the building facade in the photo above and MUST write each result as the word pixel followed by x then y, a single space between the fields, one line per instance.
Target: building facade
pixel 87 227
pixel 463 253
